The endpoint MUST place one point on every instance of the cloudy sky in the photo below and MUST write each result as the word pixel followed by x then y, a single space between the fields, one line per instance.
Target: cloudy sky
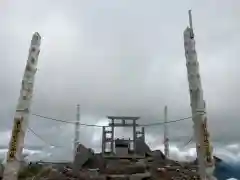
pixel 120 57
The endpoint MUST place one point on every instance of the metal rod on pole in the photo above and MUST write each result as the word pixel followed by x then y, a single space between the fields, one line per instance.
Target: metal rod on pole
pixel 190 23
pixel 190 18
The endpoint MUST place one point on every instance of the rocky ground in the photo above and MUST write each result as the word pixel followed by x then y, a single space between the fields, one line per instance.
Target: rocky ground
pixel 90 166
pixel 117 169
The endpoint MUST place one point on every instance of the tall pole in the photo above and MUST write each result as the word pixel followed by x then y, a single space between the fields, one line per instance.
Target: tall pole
pixel 134 137
pixel 77 130
pixel 103 139
pixel 112 136
pixel 143 134
pixel 21 117
pixel 166 139
pixel 203 147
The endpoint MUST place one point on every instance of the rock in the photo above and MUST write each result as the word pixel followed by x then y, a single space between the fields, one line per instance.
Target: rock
pixel 54 174
pixel 97 161
pixel 82 156
pixel 141 147
pixel 127 169
pixel 158 155
pixel 1 170
pixel 100 177
pixel 117 177
pixel 140 176
pixel 124 161
pixel 93 172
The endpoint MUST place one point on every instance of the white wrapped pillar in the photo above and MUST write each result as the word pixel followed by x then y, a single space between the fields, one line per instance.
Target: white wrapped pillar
pixel 20 124
pixel 204 149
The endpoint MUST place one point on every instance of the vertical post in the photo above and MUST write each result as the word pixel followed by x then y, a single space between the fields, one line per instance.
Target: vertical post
pixel 77 130
pixel 166 139
pixel 134 136
pixel 112 137
pixel 21 117
pixel 103 139
pixel 204 150
pixel 143 134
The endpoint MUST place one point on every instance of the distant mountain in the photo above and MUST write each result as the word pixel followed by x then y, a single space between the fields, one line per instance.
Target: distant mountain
pixel 226 170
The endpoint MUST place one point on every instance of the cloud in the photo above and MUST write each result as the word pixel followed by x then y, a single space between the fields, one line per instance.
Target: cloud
pixel 119 58
pixel 178 150
pixel 27 154
pixel 5 137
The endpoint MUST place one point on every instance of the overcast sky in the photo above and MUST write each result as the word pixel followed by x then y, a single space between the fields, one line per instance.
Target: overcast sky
pixel 120 57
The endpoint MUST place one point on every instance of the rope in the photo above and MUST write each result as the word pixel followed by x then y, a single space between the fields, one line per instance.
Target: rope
pixel 94 125
pixel 64 121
